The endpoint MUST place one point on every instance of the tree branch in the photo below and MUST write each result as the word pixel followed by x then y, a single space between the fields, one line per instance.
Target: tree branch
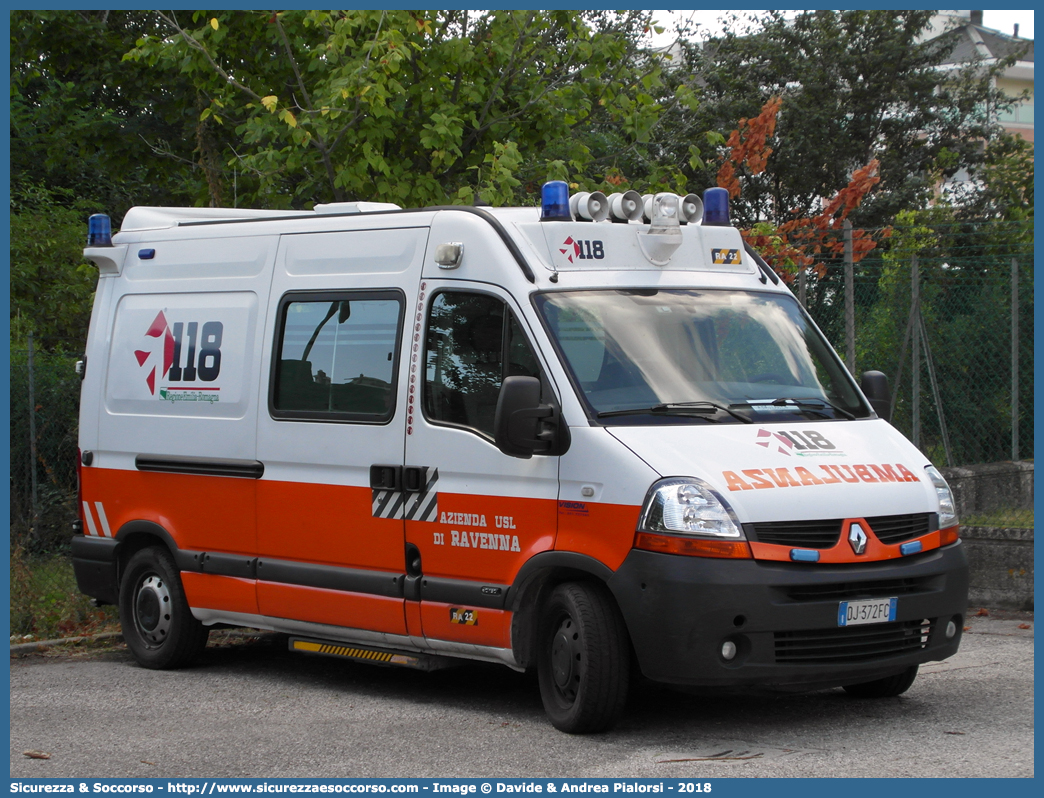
pixel 214 64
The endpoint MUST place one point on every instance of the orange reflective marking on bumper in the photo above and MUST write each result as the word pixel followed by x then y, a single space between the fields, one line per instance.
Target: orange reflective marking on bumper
pixel 842 551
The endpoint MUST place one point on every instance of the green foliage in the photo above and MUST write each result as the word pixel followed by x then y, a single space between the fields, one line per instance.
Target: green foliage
pixel 965 299
pixel 111 132
pixel 43 525
pixel 856 85
pixel 46 603
pixel 413 107
pixel 52 286
pixel 1001 185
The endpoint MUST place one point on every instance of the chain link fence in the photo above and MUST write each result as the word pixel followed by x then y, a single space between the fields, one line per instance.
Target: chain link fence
pixel 948 317
pixel 946 312
pixel 45 396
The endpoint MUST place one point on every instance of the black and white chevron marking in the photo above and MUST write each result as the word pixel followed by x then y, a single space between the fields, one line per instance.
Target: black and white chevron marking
pixel 420 506
pixel 388 504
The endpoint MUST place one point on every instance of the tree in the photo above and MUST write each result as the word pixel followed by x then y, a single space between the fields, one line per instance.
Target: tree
pixel 856 86
pixel 90 133
pixel 800 243
pixel 117 108
pixel 1001 185
pixel 86 124
pixel 52 286
pixel 412 107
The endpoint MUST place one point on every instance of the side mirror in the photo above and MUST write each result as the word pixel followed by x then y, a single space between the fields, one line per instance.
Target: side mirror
pixel 874 385
pixel 520 426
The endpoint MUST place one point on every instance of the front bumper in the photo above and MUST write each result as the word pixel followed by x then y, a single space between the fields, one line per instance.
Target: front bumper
pixel 783 617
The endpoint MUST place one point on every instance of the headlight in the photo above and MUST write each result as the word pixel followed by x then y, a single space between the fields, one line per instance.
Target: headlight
pixel 688 506
pixel 947 505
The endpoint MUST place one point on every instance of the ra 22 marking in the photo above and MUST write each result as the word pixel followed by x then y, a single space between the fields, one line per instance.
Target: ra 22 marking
pixel 463 617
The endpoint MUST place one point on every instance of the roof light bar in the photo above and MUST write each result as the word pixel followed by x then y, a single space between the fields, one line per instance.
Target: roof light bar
pixel 99 231
pixel 554 202
pixel 716 207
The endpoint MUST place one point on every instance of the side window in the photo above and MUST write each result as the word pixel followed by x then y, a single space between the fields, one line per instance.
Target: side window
pixel 337 356
pixel 473 341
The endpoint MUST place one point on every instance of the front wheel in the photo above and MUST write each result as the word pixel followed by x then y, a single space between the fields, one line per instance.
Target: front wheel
pixel 583 661
pixel 887 687
pixel 157 625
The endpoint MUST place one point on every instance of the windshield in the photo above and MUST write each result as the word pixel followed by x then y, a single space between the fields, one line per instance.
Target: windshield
pixel 653 356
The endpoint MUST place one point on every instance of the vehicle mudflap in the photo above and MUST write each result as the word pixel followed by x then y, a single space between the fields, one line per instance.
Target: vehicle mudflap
pixel 370 654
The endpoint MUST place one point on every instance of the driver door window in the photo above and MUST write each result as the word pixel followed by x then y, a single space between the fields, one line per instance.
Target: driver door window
pixel 473 342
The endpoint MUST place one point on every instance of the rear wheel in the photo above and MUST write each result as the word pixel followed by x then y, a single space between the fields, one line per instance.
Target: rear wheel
pixel 887 687
pixel 157 625
pixel 583 660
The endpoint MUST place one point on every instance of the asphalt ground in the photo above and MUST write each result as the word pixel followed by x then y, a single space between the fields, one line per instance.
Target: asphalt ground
pixel 251 708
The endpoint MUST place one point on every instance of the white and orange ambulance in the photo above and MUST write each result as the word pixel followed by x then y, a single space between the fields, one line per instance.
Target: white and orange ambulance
pixel 592 438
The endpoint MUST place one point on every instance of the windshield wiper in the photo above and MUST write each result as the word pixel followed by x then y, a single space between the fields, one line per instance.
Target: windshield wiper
pixel 700 408
pixel 812 403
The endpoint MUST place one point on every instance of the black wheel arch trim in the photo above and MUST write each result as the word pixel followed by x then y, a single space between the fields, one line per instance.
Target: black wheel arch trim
pixel 142 527
pixel 552 560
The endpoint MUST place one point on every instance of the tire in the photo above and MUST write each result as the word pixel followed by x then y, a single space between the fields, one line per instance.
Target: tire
pixel 888 687
pixel 157 625
pixel 583 659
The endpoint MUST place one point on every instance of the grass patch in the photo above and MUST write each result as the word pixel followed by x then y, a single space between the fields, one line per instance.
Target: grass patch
pixel 1018 519
pixel 47 604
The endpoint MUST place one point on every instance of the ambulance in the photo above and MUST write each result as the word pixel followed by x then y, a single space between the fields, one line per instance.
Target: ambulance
pixel 598 439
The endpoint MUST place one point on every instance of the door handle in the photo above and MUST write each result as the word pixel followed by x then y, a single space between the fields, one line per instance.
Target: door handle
pixel 413 479
pixel 386 477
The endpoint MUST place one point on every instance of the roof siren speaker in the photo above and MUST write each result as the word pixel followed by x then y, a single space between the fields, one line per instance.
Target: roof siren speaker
pixel 591 206
pixel 625 206
pixel 691 211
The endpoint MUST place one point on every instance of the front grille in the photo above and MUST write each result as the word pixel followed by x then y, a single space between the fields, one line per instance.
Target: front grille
pixel 824 533
pixel 803 534
pixel 878 588
pixel 892 529
pixel 852 643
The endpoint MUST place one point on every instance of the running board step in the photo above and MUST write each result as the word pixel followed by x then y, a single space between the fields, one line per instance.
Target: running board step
pixel 375 656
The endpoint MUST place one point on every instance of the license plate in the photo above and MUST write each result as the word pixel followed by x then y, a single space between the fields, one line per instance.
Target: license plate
pixel 855 613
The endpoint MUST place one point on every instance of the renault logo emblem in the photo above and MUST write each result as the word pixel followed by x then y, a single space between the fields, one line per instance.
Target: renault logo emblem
pixel 857 538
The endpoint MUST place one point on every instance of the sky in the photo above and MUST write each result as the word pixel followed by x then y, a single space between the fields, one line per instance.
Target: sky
pixel 1003 21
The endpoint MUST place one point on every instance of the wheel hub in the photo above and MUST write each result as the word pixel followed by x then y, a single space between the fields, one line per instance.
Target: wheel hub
pixel 152 609
pixel 565 658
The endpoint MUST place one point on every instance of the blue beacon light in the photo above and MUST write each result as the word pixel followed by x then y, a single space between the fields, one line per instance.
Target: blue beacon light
pixel 99 231
pixel 554 202
pixel 716 207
